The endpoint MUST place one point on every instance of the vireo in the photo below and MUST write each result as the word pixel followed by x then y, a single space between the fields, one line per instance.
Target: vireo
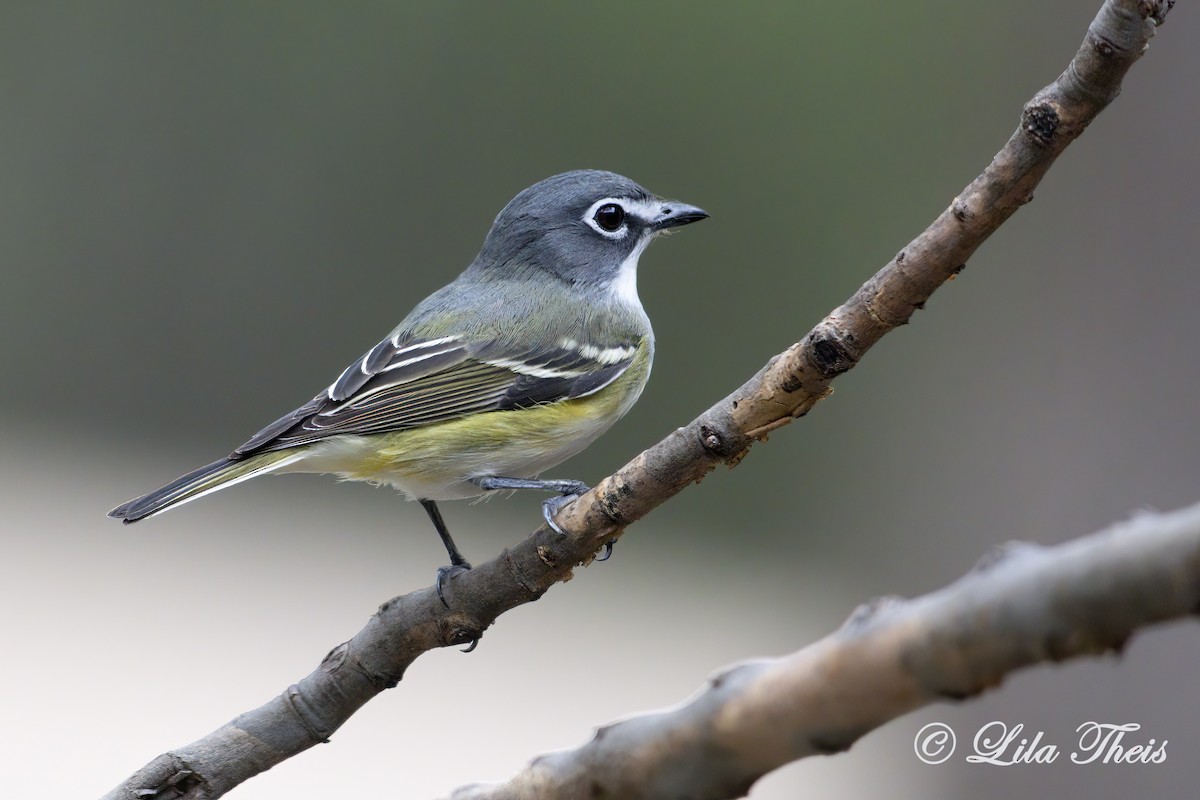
pixel 521 362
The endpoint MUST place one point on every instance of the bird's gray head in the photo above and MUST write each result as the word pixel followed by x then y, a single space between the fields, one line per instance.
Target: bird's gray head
pixel 586 227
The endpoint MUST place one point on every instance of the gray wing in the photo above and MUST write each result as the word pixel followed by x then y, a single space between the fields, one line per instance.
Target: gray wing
pixel 407 383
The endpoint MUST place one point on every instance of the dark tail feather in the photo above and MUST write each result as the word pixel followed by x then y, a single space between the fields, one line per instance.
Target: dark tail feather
pixel 217 475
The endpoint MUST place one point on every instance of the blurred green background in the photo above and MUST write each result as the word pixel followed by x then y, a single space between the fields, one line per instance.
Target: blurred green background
pixel 207 210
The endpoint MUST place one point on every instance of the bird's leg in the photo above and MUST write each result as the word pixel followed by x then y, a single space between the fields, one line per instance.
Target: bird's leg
pixel 563 487
pixel 568 492
pixel 456 558
pixel 457 562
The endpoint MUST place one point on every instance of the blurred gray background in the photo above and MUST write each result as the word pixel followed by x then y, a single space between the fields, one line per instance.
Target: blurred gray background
pixel 208 210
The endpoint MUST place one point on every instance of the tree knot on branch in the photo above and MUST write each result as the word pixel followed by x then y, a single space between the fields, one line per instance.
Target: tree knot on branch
pixel 1156 10
pixel 1103 46
pixel 180 784
pixel 609 496
pixel 711 439
pixel 961 211
pixel 721 442
pixel 831 351
pixel 1040 121
pixel 791 383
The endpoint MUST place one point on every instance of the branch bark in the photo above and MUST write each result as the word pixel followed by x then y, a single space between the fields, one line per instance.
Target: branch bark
pixel 1022 605
pixel 309 711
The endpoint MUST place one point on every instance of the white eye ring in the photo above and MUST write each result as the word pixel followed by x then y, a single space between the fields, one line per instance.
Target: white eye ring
pixel 589 217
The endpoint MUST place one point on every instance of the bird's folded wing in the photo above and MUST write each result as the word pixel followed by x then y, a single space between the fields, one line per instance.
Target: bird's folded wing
pixel 403 383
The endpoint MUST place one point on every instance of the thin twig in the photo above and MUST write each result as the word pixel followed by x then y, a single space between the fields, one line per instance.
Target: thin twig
pixel 787 387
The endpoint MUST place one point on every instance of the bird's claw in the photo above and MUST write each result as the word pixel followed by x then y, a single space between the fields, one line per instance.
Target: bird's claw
pixel 444 574
pixel 552 505
pixel 608 548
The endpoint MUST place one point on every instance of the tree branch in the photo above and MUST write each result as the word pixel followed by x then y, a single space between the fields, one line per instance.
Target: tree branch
pixel 1022 605
pixel 787 387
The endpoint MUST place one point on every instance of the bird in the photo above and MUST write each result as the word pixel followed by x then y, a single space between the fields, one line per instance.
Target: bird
pixel 519 363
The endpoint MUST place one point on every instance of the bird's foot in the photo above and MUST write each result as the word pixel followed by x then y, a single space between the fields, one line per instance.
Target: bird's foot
pixel 571 491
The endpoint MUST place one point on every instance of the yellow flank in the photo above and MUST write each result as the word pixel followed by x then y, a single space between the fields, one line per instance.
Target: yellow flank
pixel 422 452
pixel 438 459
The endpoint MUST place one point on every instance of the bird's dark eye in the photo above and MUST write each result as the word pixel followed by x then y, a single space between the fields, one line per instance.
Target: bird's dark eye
pixel 609 217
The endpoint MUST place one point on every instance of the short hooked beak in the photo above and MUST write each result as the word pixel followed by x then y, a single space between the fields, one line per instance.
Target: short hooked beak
pixel 672 214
